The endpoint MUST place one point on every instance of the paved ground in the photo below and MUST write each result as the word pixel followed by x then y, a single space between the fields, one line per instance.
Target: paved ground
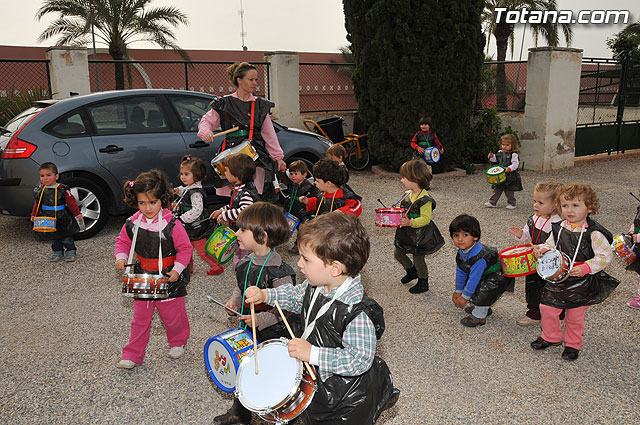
pixel 63 327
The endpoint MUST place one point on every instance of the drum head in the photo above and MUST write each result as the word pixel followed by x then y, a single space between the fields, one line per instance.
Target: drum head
pixel 435 155
pixel 549 264
pixel 279 376
pixel 493 171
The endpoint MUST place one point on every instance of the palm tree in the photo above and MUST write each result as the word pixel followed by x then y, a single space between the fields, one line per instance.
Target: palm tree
pixel 504 34
pixel 118 23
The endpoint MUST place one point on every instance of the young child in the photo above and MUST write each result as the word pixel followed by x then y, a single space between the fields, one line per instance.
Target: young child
pixel 588 246
pixel 261 228
pixel 239 170
pixel 330 178
pixel 634 235
pixel 341 323
pixel 299 187
pixel 507 158
pixel 425 138
pixel 55 200
pixel 418 234
pixel 338 153
pixel 535 232
pixel 151 194
pixel 192 209
pixel 479 277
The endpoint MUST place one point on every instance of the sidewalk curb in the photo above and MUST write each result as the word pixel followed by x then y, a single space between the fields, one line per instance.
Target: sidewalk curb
pixel 603 157
pixel 457 172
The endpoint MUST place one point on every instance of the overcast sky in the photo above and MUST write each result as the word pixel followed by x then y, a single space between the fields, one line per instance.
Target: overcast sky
pixel 295 25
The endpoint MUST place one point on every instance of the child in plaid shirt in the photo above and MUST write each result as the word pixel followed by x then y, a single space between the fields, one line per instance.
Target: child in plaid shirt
pixel 588 246
pixel 341 324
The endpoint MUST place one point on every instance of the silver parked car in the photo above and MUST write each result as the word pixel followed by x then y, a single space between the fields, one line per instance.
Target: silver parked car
pixel 98 141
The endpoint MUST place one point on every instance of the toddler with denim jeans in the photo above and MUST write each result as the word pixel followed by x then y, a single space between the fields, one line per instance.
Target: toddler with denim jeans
pixel 54 200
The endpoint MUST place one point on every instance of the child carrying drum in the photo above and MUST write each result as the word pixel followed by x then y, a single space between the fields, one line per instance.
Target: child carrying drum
pixel 151 231
pixel 417 234
pixel 425 138
pixel 261 228
pixel 582 249
pixel 634 236
pixel 536 231
pixel 330 178
pixel 338 153
pixel 300 186
pixel 192 209
pixel 479 277
pixel 507 158
pixel 341 324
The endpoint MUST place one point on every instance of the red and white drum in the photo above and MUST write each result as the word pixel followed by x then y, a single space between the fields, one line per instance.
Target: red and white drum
pixel 554 266
pixel 518 261
pixel 146 286
pixel 624 248
pixel 389 217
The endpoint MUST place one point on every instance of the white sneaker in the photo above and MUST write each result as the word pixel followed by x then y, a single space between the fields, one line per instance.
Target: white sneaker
pixel 510 207
pixel 126 364
pixel 489 205
pixel 176 352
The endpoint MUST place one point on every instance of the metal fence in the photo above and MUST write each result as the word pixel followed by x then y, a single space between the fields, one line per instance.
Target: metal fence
pixel 326 87
pixel 24 75
pixel 599 84
pixel 203 76
pixel 508 95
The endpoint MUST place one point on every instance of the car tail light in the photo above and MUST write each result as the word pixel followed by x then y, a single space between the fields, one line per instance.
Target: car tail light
pixel 17 148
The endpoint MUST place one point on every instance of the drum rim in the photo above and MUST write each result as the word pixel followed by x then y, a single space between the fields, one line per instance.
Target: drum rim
pixel 292 392
pixel 500 254
pixel 235 360
pixel 549 278
pixel 496 174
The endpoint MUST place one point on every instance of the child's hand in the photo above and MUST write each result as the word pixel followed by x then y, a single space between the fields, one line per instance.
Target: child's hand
pixel 79 218
pixel 516 231
pixel 253 294
pixel 455 297
pixel 576 271
pixel 247 320
pixel 538 251
pixel 441 150
pixel 208 137
pixel 304 200
pixel 507 170
pixel 220 220
pixel 120 264
pixel 172 276
pixel 421 150
pixel 405 222
pixel 216 213
pixel 282 166
pixel 300 349
pixel 232 306
pixel 32 217
pixel 176 191
pixel 460 301
pixel 491 155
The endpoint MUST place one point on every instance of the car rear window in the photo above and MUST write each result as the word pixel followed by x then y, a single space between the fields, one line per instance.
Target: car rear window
pixel 68 126
pixel 17 121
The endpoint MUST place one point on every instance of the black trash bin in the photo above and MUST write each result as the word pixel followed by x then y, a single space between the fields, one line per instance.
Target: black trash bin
pixel 359 126
pixel 333 128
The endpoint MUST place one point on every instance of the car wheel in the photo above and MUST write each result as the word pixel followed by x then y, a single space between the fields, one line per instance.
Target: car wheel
pixel 356 162
pixel 92 202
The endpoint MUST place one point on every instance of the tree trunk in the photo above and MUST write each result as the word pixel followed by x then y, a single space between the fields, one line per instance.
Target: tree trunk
pixel 118 53
pixel 501 34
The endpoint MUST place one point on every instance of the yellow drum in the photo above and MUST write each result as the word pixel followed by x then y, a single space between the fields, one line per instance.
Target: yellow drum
pixel 245 147
pixel 496 175
pixel 44 224
pixel 222 244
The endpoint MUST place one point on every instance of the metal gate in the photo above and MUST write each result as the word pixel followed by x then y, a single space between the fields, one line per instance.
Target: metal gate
pixel 608 107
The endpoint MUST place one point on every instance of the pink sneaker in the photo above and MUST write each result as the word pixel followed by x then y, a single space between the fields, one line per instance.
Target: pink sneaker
pixel 635 303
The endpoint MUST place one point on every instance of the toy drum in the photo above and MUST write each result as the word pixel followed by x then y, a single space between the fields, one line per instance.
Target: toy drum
pixel 496 175
pixel 431 155
pixel 222 355
pixel 553 266
pixel 222 244
pixel 389 217
pixel 282 389
pixel 44 224
pixel 624 248
pixel 518 261
pixel 146 286
pixel 245 147
pixel 292 220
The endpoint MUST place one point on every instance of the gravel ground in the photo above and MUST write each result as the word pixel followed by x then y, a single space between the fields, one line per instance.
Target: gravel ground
pixel 63 327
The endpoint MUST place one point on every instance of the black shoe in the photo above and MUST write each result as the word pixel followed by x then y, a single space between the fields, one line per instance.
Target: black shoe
pixel 543 344
pixel 420 287
pixel 230 419
pixel 570 353
pixel 412 273
pixel 469 310
pixel 472 321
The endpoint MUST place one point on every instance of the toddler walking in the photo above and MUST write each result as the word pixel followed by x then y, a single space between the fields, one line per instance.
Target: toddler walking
pixel 507 158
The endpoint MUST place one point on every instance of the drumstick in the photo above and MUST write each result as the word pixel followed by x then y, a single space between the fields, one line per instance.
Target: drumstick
pixel 231 130
pixel 253 327
pixel 213 300
pixel 284 319
pixel 381 203
pixel 631 193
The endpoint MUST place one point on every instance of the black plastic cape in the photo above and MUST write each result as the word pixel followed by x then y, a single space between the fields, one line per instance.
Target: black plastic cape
pixel 579 291
pixel 202 227
pixel 422 240
pixel 352 400
pixel 66 224
pixel 493 282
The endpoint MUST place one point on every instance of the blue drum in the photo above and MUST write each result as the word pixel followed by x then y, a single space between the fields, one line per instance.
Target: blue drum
pixel 431 155
pixel 222 356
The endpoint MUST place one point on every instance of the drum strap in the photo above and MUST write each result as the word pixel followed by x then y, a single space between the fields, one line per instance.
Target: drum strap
pixel 253 110
pixel 539 230
pixel 135 238
pixel 401 199
pixel 308 327
pixel 575 254
pixel 322 199
pixel 293 196
pixel 246 278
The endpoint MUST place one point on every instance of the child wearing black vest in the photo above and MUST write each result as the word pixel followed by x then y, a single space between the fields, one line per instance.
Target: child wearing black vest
pixel 507 158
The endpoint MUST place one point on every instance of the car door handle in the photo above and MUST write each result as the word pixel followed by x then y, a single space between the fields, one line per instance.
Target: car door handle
pixel 199 144
pixel 110 149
